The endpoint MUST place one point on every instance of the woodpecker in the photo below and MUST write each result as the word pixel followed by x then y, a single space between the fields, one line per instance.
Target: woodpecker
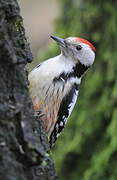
pixel 54 84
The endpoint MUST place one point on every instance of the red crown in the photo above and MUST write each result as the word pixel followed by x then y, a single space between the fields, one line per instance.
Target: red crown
pixel 87 42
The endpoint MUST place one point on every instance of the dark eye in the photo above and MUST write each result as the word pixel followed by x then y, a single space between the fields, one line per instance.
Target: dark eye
pixel 79 47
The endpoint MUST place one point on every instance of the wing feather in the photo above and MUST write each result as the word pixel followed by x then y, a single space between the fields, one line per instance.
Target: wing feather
pixel 65 109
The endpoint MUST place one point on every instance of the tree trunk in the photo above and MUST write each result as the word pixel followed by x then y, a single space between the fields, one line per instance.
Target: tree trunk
pixel 23 144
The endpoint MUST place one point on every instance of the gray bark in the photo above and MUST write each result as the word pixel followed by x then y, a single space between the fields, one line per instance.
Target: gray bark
pixel 24 149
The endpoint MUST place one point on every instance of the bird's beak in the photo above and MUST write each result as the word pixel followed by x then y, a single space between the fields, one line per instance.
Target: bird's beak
pixel 59 40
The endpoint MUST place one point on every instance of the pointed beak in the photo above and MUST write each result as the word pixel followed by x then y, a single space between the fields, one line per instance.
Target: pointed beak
pixel 60 41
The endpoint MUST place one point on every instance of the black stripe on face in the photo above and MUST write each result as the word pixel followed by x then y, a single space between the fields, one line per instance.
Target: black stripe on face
pixel 63 113
pixel 77 71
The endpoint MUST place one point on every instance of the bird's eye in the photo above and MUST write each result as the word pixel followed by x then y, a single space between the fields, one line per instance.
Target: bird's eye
pixel 79 47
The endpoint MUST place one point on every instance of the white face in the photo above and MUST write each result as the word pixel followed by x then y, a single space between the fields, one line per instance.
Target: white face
pixel 79 51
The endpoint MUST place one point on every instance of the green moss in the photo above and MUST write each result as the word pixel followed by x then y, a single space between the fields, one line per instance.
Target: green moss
pixel 18 23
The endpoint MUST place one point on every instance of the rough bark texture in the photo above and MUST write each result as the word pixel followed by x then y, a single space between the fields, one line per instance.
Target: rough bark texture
pixel 23 144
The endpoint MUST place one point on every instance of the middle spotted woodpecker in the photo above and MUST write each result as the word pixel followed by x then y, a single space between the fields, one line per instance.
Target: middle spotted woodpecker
pixel 54 84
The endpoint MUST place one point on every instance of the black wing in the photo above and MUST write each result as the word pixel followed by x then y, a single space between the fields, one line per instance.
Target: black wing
pixel 65 110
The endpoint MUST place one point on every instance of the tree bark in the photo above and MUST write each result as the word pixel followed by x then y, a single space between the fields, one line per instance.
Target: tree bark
pixel 23 144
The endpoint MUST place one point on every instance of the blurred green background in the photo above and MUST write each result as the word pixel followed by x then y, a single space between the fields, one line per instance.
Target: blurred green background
pixel 87 149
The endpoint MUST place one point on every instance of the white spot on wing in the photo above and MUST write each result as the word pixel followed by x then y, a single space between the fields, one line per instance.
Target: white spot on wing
pixel 72 104
pixel 62 79
pixel 63 116
pixel 61 123
pixel 65 120
pixel 57 126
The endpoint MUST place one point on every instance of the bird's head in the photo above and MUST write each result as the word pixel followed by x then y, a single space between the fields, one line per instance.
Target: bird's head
pixel 78 49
